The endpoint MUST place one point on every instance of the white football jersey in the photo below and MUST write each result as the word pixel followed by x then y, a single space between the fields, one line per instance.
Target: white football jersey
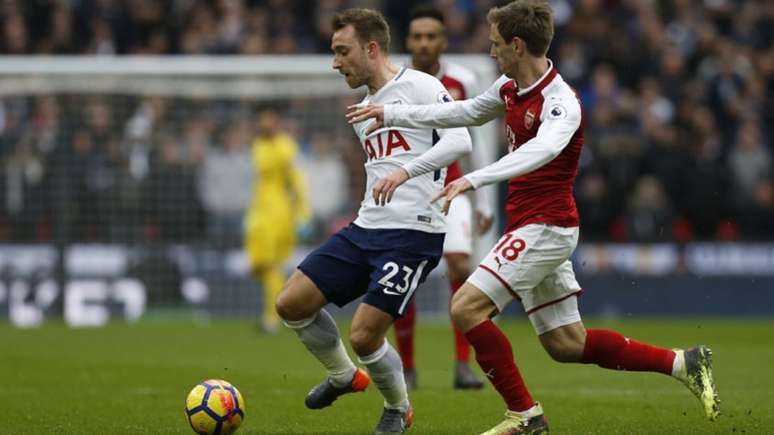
pixel 390 148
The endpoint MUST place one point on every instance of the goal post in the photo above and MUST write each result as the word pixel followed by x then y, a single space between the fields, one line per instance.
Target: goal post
pixel 105 211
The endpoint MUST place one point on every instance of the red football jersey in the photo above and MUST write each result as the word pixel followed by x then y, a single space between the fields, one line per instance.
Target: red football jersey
pixel 544 195
pixel 544 130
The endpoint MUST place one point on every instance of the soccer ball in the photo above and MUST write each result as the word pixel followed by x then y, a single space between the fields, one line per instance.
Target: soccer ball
pixel 215 407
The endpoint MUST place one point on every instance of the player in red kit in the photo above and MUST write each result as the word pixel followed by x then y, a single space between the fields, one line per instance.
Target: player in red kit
pixel 544 129
pixel 426 40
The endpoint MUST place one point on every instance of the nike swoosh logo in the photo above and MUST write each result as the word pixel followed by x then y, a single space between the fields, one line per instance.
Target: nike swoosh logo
pixel 390 292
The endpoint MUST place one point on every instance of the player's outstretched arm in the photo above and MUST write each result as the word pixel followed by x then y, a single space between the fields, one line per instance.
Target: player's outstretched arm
pixel 554 133
pixel 471 112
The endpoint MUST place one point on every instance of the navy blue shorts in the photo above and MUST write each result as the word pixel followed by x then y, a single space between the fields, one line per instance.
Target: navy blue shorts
pixel 385 265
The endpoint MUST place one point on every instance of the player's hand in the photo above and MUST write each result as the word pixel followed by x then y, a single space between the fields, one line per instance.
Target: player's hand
pixel 385 187
pixel 359 113
pixel 483 222
pixel 451 191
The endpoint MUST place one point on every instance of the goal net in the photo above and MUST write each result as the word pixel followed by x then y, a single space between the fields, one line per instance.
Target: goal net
pixel 124 181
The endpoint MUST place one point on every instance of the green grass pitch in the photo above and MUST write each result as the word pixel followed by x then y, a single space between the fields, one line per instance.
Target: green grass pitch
pixel 134 379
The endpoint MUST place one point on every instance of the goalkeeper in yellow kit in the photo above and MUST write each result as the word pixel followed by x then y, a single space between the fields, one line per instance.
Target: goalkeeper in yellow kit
pixel 279 207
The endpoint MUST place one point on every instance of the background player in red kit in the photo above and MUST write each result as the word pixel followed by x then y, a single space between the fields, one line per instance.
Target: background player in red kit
pixel 544 129
pixel 426 41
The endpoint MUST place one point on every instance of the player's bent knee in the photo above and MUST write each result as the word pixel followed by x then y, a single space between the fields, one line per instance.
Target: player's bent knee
pixel 299 298
pixel 562 353
pixel 457 310
pixel 285 307
pixel 564 344
pixel 464 317
pixel 468 309
pixel 365 341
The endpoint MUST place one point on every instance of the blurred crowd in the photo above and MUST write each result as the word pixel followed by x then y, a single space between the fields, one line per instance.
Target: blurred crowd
pixel 157 169
pixel 678 98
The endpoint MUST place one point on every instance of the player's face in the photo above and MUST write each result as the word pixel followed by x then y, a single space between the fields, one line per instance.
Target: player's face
pixel 268 123
pixel 504 53
pixel 349 57
pixel 426 41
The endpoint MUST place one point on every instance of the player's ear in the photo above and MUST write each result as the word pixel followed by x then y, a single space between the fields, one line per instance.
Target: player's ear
pixel 519 45
pixel 372 48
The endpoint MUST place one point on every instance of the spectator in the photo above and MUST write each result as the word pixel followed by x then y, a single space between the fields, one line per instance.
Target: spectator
pixel 594 205
pixel 15 35
pixel 757 217
pixel 649 215
pixel 24 192
pixel 102 41
pixel 323 162
pixel 683 92
pixel 171 196
pixel 750 162
pixel 82 169
pixel 225 185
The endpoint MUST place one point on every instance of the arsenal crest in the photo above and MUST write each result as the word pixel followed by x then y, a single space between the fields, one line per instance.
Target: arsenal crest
pixel 529 119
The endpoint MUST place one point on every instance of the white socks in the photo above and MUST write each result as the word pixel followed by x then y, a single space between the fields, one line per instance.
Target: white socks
pixel 321 337
pixel 678 365
pixel 386 370
pixel 526 414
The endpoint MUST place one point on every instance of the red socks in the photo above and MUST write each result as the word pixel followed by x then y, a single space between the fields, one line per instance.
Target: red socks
pixel 495 356
pixel 606 348
pixel 404 335
pixel 612 350
pixel 461 345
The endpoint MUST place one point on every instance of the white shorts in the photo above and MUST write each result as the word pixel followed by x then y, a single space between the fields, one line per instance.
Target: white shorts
pixel 532 264
pixel 459 224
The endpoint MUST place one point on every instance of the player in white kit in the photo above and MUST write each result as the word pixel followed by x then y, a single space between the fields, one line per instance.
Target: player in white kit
pixel 426 41
pixel 531 262
pixel 394 243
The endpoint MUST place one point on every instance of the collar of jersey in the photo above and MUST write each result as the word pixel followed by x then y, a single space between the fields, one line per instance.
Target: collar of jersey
pixel 387 85
pixel 540 83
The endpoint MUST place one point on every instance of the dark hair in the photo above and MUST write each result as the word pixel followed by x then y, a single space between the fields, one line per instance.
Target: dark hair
pixel 530 20
pixel 369 25
pixel 427 11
